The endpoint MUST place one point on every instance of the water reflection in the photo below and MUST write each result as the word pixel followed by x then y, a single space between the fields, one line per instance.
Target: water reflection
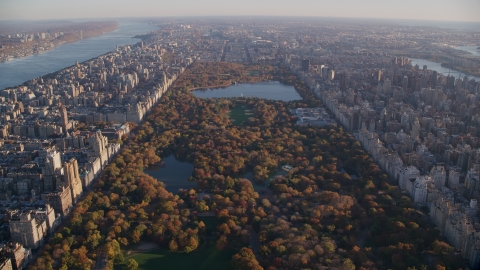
pixel 174 174
pixel 266 90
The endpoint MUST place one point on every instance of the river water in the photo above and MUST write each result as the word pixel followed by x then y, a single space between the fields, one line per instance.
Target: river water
pixel 474 50
pixel 442 70
pixel 18 71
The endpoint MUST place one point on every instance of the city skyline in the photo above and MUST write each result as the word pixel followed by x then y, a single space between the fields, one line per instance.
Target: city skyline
pixel 441 10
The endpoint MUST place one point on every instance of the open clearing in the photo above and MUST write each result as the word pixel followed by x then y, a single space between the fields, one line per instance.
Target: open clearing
pixel 239 115
pixel 204 258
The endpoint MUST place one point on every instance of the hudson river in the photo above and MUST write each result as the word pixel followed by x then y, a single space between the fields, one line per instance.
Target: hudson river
pixel 18 71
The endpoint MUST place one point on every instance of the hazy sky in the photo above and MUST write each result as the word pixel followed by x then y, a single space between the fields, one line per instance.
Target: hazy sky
pixel 448 10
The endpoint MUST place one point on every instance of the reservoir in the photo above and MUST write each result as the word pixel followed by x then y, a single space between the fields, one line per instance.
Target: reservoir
pixel 438 67
pixel 266 90
pixel 18 71
pixel 174 174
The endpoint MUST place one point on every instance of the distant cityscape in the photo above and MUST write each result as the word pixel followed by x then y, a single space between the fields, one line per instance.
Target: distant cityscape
pixel 19 43
pixel 58 132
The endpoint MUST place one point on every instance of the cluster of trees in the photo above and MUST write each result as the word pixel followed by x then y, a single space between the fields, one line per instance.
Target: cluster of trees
pixel 313 216
pixel 201 75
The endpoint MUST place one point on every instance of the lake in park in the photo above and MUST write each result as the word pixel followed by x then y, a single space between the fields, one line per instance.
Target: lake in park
pixel 266 90
pixel 174 174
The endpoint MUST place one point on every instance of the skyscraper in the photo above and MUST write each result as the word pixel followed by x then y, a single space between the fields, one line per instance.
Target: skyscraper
pixel 450 82
pixel 27 230
pixel 405 83
pixel 434 78
pixel 378 75
pixel 342 77
pixel 305 65
pixel 72 179
pixel 63 113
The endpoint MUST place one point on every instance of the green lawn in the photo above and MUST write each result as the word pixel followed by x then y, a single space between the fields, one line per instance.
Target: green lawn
pixel 204 258
pixel 237 115
pixel 253 73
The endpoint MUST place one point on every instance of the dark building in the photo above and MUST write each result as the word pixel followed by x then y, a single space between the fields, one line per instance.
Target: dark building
pixel 305 65
pixel 342 78
pixel 450 82
pixel 405 84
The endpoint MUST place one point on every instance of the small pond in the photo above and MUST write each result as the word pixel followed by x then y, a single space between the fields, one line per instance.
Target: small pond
pixel 174 174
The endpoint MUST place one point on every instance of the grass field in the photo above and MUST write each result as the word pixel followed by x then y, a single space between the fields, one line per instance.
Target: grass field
pixel 253 73
pixel 204 258
pixel 237 115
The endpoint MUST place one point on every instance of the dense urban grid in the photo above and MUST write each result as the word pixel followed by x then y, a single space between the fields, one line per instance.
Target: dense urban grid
pixel 76 136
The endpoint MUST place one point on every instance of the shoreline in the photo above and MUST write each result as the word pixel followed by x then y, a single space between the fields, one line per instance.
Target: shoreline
pixel 42 73
pixel 227 85
pixel 56 43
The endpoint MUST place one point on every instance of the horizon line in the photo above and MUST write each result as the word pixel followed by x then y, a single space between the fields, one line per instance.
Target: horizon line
pixel 230 16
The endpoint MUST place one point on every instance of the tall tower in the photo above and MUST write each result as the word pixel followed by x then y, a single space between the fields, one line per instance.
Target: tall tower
pixel 27 230
pixel 305 64
pixel 342 77
pixel 63 113
pixel 72 179
pixel 378 75
pixel 405 83
pixel 98 142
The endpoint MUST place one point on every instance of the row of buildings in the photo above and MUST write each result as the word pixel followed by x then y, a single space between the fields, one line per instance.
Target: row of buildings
pixel 58 133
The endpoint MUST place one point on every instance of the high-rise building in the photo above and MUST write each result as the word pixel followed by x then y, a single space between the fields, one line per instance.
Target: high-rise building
pixel 450 82
pixel 71 179
pixel 60 200
pixel 27 230
pixel 405 83
pixel 64 115
pixel 16 253
pixel 434 78
pixel 98 142
pixel 331 74
pixel 458 83
pixel 387 84
pixel 439 176
pixel 378 75
pixel 305 65
pixel 46 213
pixel 325 70
pixel 53 164
pixel 342 77
pixel 5 263
pixel 453 178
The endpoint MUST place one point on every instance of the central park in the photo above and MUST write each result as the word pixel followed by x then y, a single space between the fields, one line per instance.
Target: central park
pixel 313 216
